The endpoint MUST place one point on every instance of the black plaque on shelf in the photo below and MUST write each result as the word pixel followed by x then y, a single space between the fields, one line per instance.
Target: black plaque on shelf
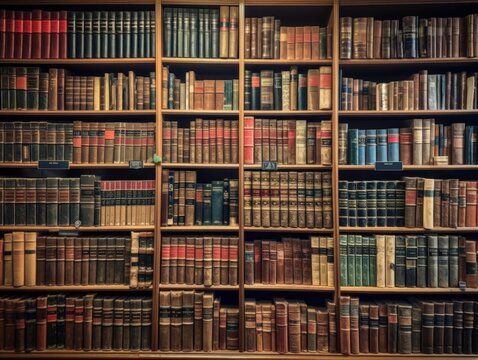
pixel 269 165
pixel 53 164
pixel 388 166
pixel 136 164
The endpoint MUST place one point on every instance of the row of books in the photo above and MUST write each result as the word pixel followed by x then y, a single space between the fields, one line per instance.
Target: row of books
pixel 24 88
pixel 290 261
pixel 423 261
pixel 440 326
pixel 196 321
pixel 373 203
pixel 84 201
pixel 201 32
pixel 199 260
pixel 287 141
pixel 424 142
pixel 265 38
pixel 41 34
pixel 288 90
pixel 412 37
pixel 88 322
pixel 288 199
pixel 58 260
pixel 204 141
pixel 184 201
pixel 289 326
pixel 77 142
pixel 193 94
pixel 422 91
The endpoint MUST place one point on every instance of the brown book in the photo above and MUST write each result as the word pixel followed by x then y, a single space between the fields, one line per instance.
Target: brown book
pixel 198 320
pixel 209 95
pixel 199 95
pixel 294 327
pixel 176 320
pixel 471 277
pixel 188 321
pixel 224 27
pixel 165 320
pixel 345 322
pixel 233 32
pixel 209 336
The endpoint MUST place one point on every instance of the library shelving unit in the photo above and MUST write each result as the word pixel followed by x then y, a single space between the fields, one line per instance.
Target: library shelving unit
pixel 329 11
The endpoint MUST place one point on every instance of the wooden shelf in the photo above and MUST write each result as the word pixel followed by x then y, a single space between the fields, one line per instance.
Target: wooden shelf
pixel 72 166
pixel 79 229
pixel 316 62
pixel 109 61
pixel 289 287
pixel 386 230
pixel 411 167
pixel 77 113
pixel 207 61
pixel 404 290
pixel 199 112
pixel 376 113
pixel 290 167
pixel 287 113
pixel 199 166
pixel 407 62
pixel 288 230
pixel 70 288
pixel 199 228
pixel 197 287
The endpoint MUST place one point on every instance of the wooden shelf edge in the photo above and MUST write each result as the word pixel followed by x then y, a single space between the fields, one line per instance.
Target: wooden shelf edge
pixel 382 230
pixel 288 287
pixel 73 166
pixel 288 113
pixel 411 167
pixel 198 287
pixel 287 230
pixel 404 290
pixel 76 112
pixel 199 166
pixel 199 112
pixel 408 61
pixel 353 113
pixel 68 288
pixel 199 228
pixel 72 228
pixel 287 62
pixel 290 167
pixel 100 61
pixel 207 61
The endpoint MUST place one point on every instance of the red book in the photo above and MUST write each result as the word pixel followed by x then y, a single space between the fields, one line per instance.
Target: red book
pixel 27 35
pixel 55 35
pixel 10 35
pixel 249 140
pixel 18 41
pixel 63 35
pixel 3 27
pixel 45 34
pixel 36 34
pixel 1 264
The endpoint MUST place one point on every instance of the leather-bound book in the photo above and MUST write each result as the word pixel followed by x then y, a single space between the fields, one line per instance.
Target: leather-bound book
pixel 198 321
pixel 20 325
pixel 323 341
pixel 207 330
pixel 470 276
pixel 373 328
pixel 208 261
pixel 439 328
pixel 9 325
pixel 364 327
pixel 146 322
pixel 60 261
pixel 176 320
pixel 164 320
pixel 471 201
pixel 107 323
pixel 468 317
pixel 392 331
pixel 345 320
pixel 233 32
pixel 294 327
pixel 224 26
pixel 416 327
pixel 233 261
pixel 354 326
pixel 69 322
pixel 427 327
pixel 51 322
pixel 232 329
pixel 87 200
pixel 18 251
pixel 45 34
pixel 97 320
pixel 55 35
pixel 250 325
pixel 41 320
pixel 404 341
pixel 30 324
pixel 383 327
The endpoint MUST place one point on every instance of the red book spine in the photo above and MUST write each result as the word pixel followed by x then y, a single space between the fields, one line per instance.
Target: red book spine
pixel 3 28
pixel 18 34
pixel 54 35
pixel 63 35
pixel 27 35
pixel 45 34
pixel 10 35
pixel 36 34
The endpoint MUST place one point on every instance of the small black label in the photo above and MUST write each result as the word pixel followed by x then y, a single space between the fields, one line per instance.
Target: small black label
pixel 388 166
pixel 54 164
pixel 136 164
pixel 68 233
pixel 269 165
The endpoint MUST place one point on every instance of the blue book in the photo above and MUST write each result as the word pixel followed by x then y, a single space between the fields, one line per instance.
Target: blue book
pixel 371 203
pixel 343 203
pixel 393 145
pixel 382 145
pixel 353 147
pixel 371 144
pixel 217 203
pixel 352 186
pixel 441 140
pixel 171 91
pixel 361 147
pixel 381 203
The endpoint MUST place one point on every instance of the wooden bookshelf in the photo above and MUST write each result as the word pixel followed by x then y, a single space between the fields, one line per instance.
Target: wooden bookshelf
pixel 238 66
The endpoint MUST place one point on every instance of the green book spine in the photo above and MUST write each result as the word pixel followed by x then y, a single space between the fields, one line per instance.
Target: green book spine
pixel 206 211
pixel 201 33
pixel 373 260
pixel 358 260
pixel 80 36
pixel 96 35
pixel 20 202
pixel 226 202
pixel 126 34
pixel 217 201
pixel 207 33
pixel 365 260
pixel 141 34
pixel 71 34
pixel 112 34
pixel 179 33
pixel 193 22
pixel 63 202
pixel 174 32
pixel 302 92
pixel 400 261
pixel 214 33
pixel 343 261
pixel 119 34
pixel 147 34
pixel 88 34
pixel 41 201
pixel 104 33
pixel 351 259
pixel 134 34
pixel 52 201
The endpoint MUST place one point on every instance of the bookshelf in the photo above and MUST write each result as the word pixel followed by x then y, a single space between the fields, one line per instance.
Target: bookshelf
pixel 330 12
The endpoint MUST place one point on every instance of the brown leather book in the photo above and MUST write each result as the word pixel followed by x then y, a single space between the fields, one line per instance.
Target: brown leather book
pixel 468 317
pixel 165 320
pixel 69 322
pixel 281 320
pixel 470 276
pixel 208 260
pixel 364 327
pixel 294 327
pixel 209 94
pixel 188 321
pixel 189 266
pixel 88 321
pixel 427 327
pixel 439 328
pixel 198 320
pixel 208 306
pixel 373 328
pixel 250 325
pixel 323 331
pixel 383 327
pixel 471 200
pixel 216 260
pixel 60 261
pixel 354 326
pixel 225 261
pixel 233 261
pixel 233 32
pixel 291 43
pixel 41 323
pixel 181 260
pixel 176 320
pixel 404 336
pixel 199 95
pixel 79 318
pixel 199 261
pixel 345 322
pixel 41 259
pixel 50 267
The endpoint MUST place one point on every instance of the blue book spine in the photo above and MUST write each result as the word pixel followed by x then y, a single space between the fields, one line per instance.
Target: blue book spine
pixel 171 91
pixel 361 147
pixel 382 145
pixel 352 186
pixel 353 147
pixel 361 195
pixel 441 141
pixel 343 203
pixel 381 203
pixel 343 91
pixel 474 149
pixel 371 154
pixel 393 145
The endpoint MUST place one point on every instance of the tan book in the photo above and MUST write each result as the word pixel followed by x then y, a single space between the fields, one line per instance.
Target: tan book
pixel 291 43
pixel 389 260
pixel 323 260
pixel 209 94
pixel 18 251
pixel 224 27
pixel 30 258
pixel 380 260
pixel 219 95
pixel 315 42
pixel 313 76
pixel 283 42
pixel 428 204
pixel 307 54
pixel 131 90
pixel 233 32
pixel 299 43
pixel 300 143
pixel 325 88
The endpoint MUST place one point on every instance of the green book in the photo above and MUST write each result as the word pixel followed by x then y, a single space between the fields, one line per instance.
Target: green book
pixel 358 260
pixel 343 260
pixel 180 33
pixel 372 260
pixel 366 260
pixel 351 259
pixel 217 201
